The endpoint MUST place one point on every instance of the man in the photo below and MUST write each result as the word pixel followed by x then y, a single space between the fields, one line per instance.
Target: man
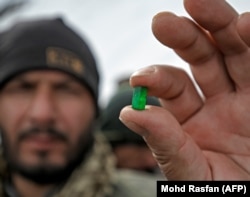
pixel 199 135
pixel 48 111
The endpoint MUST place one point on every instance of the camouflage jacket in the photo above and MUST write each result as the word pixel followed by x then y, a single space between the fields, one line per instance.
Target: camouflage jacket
pixel 98 177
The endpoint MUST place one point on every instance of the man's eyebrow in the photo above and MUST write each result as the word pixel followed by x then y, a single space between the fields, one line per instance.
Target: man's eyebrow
pixel 18 78
pixel 68 80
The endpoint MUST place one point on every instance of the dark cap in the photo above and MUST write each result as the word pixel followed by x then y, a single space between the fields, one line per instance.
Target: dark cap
pixel 47 44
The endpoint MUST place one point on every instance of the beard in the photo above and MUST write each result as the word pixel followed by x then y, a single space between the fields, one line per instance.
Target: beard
pixel 47 173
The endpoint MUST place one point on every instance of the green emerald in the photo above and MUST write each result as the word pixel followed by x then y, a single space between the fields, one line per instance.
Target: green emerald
pixel 139 98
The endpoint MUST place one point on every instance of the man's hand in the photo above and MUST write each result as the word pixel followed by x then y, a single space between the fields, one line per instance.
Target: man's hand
pixel 199 134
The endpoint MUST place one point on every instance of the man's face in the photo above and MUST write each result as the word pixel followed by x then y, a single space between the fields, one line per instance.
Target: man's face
pixel 45 118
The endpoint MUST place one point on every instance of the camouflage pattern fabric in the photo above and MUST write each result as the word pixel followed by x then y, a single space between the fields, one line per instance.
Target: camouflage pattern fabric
pixel 93 177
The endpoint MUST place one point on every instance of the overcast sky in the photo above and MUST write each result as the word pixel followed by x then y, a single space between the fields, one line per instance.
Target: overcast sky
pixel 119 31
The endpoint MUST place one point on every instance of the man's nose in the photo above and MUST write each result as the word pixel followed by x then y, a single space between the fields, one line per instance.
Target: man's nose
pixel 42 107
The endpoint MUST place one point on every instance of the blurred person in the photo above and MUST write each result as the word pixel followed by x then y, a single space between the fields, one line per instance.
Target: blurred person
pixel 199 135
pixel 130 149
pixel 49 84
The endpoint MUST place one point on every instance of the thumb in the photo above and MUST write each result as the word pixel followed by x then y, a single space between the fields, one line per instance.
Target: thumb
pixel 177 154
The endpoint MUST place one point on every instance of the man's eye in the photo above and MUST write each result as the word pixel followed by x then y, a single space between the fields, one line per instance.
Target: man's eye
pixel 19 87
pixel 69 89
pixel 23 87
pixel 65 88
pixel 26 86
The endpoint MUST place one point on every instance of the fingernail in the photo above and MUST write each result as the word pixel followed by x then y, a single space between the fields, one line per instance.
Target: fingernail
pixel 144 71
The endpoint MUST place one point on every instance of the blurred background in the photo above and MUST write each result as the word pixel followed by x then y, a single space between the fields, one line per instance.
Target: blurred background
pixel 119 31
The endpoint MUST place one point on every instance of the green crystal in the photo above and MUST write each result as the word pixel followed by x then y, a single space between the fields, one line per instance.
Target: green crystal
pixel 139 98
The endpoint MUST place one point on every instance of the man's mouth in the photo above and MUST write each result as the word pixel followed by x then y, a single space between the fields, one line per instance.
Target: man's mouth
pixel 41 141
